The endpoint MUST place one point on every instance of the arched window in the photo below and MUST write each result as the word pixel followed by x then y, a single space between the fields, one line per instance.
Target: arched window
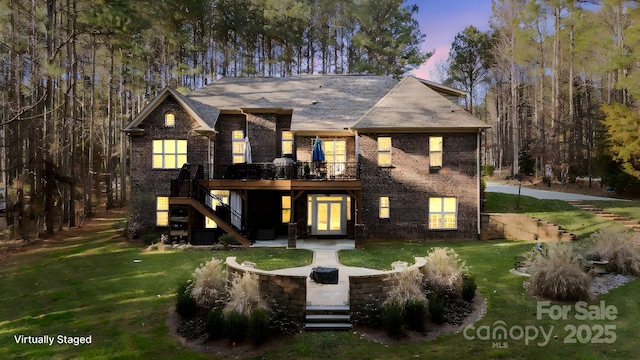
pixel 169 120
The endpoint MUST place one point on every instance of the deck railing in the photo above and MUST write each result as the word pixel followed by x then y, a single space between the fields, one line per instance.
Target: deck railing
pixel 292 171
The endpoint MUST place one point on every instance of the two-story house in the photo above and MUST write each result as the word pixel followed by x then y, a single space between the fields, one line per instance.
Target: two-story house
pixel 308 156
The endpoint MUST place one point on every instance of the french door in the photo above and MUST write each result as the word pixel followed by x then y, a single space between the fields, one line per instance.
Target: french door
pixel 328 214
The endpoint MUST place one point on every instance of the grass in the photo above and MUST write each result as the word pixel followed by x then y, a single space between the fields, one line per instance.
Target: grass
pixel 90 285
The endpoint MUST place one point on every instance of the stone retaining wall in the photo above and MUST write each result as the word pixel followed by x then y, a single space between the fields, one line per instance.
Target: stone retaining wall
pixel 521 227
pixel 290 290
pixel 366 289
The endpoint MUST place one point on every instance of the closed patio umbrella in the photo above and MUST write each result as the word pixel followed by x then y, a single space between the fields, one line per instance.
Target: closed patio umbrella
pixel 318 153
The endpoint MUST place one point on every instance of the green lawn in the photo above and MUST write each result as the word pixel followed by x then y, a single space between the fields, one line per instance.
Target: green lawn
pixel 92 286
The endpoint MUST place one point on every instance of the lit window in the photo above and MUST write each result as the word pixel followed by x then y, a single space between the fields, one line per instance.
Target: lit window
pixel 286 209
pixel 335 154
pixel 217 198
pixel 384 151
pixel 435 151
pixel 169 154
pixel 287 143
pixel 443 213
pixel 162 211
pixel 384 207
pixel 238 146
pixel 169 120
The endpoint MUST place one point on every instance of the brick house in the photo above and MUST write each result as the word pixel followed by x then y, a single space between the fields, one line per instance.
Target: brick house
pixel 307 156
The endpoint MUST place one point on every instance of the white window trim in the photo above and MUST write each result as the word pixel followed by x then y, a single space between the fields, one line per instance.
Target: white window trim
pixel 164 154
pixel 162 210
pixel 443 213
pixel 385 151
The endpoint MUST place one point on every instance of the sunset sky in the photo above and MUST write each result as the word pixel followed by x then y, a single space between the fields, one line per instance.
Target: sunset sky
pixel 441 21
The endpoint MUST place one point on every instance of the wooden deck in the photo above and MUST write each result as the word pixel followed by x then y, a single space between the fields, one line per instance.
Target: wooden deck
pixel 347 184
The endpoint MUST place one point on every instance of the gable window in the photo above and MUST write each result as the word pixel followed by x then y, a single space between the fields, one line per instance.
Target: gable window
pixel 287 143
pixel 238 146
pixel 384 207
pixel 286 209
pixel 169 120
pixel 217 198
pixel 384 151
pixel 435 151
pixel 162 211
pixel 169 154
pixel 443 213
pixel 335 154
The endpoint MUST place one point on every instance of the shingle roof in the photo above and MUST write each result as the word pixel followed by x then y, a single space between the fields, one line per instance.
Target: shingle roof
pixel 414 105
pixel 317 102
pixel 328 103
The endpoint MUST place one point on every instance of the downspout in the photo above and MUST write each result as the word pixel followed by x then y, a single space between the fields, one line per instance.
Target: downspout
pixel 479 199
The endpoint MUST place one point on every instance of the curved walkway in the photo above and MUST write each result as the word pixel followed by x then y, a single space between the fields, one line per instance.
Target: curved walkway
pixel 542 194
pixel 325 254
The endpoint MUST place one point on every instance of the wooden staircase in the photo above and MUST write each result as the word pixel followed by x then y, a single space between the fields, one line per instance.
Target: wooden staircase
pixel 211 215
pixel 622 220
pixel 327 318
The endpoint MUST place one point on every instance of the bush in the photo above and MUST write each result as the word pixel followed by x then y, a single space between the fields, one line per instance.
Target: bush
pixel 415 314
pixel 236 325
pixel 437 308
pixel 556 274
pixel 615 246
pixel 215 324
pixel 149 238
pixel 210 284
pixel 469 287
pixel 488 170
pixel 392 319
pixel 259 326
pixel 443 272
pixel 186 306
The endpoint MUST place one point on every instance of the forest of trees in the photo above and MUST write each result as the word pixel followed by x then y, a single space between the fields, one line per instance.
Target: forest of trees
pixel 556 79
pixel 560 83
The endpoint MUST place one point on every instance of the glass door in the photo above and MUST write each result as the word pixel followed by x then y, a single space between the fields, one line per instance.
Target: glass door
pixel 328 215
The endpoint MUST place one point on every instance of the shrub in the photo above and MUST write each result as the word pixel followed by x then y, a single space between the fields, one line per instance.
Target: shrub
pixel 244 295
pixel 556 274
pixel 443 272
pixel 258 326
pixel 210 284
pixel 392 319
pixel 437 308
pixel 236 325
pixel 369 314
pixel 186 306
pixel 488 170
pixel 149 238
pixel 415 314
pixel 615 246
pixel 282 321
pixel 469 287
pixel 215 324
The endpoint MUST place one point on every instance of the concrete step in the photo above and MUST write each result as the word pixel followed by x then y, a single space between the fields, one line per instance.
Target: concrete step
pixel 328 318
pixel 328 309
pixel 327 326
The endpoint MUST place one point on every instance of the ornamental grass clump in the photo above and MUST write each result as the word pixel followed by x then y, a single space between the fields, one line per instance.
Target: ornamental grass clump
pixel 615 246
pixel 210 284
pixel 244 295
pixel 406 301
pixel 443 272
pixel 556 274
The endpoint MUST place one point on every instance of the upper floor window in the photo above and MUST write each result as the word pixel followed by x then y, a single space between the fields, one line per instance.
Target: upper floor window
pixel 287 143
pixel 169 154
pixel 238 146
pixel 384 207
pixel 435 151
pixel 443 213
pixel 335 155
pixel 169 120
pixel 162 211
pixel 384 151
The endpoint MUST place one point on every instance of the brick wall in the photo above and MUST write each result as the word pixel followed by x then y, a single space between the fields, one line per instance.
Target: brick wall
pixel 409 184
pixel 146 182
pixel 290 289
